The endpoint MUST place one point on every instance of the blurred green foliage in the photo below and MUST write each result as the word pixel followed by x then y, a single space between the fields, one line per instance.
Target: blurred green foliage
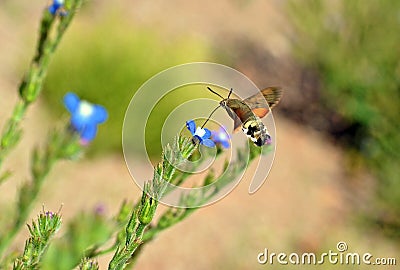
pixel 107 62
pixel 354 46
pixel 82 232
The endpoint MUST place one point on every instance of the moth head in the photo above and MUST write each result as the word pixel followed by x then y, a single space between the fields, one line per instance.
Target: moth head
pixel 223 103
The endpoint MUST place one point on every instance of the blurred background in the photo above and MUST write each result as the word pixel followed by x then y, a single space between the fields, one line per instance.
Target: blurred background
pixel 336 175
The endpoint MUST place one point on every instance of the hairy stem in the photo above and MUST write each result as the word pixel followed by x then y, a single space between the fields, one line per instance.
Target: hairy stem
pixel 31 84
pixel 144 211
pixel 61 145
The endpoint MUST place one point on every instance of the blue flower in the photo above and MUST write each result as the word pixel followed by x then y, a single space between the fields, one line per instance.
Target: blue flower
pixel 221 137
pixel 200 134
pixel 84 116
pixel 57 7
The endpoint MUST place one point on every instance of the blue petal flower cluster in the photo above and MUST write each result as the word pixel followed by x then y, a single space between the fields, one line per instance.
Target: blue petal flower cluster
pixel 221 137
pixel 57 7
pixel 202 135
pixel 84 116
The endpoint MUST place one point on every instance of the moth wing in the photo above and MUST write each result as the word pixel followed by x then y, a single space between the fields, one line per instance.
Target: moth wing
pixel 257 103
pixel 260 112
pixel 237 124
pixel 237 111
pixel 272 95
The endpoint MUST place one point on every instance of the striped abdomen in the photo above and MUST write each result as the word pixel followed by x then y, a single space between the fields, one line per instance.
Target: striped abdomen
pixel 256 131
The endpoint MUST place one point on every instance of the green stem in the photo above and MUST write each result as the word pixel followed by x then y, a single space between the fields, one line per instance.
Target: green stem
pixel 29 90
pixel 175 215
pixel 59 146
pixel 31 84
pixel 11 133
pixel 143 213
pixel 41 231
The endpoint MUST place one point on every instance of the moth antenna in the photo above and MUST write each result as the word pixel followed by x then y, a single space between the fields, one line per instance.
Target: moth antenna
pixel 230 92
pixel 212 91
pixel 210 116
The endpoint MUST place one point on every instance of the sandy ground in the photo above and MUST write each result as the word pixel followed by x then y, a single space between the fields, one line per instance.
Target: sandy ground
pixel 302 206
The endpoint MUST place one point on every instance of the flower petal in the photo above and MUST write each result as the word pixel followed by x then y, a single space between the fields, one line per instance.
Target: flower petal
pixel 100 114
pixel 225 144
pixel 53 9
pixel 78 122
pixel 200 132
pixel 208 143
pixel 89 132
pixel 71 102
pixel 191 126
pixel 207 134
pixel 55 6
pixel 224 133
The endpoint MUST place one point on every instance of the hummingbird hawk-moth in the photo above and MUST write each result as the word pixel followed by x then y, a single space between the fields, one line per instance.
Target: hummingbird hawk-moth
pixel 247 113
